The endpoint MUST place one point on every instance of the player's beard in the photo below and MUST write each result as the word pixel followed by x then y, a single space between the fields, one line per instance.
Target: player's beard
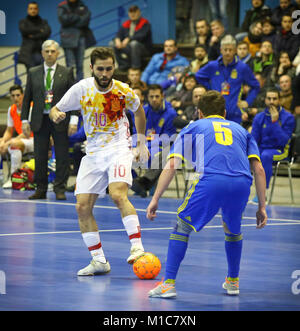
pixel 100 82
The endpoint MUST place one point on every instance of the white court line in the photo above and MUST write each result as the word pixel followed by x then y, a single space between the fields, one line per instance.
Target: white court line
pixel 123 230
pixel 137 209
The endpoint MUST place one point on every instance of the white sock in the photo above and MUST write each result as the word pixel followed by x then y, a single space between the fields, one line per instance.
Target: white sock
pixel 16 159
pixel 133 229
pixel 93 243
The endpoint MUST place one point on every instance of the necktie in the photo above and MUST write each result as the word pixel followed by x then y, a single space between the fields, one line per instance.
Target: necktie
pixel 48 86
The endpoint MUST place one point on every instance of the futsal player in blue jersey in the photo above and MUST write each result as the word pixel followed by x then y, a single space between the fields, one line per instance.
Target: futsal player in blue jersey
pixel 223 153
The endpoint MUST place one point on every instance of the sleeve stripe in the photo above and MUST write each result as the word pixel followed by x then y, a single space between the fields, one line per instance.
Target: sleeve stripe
pixel 254 156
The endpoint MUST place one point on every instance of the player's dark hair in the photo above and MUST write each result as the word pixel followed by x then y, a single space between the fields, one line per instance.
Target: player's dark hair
pixel 212 103
pixel 102 53
pixel 16 87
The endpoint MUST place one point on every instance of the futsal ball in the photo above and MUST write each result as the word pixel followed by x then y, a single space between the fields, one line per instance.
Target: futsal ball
pixel 147 266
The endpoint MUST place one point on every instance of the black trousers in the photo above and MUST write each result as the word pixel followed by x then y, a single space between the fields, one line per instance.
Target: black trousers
pixel 41 148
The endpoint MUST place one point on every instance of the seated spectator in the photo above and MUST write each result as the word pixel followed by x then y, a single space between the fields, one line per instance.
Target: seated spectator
pixel 268 31
pixel 183 98
pixel 19 145
pixel 218 32
pixel 242 52
pixel 285 39
pixel 264 60
pixel 254 38
pixel 159 126
pixel 258 12
pixel 133 40
pixel 286 95
pixel 272 130
pixel 34 31
pixel 134 79
pixel 203 33
pixel 285 8
pixel 161 64
pixel 174 82
pixel 200 58
pixel 283 66
pixel 189 113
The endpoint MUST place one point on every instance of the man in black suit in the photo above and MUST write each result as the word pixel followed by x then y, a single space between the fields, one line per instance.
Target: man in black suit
pixel 46 84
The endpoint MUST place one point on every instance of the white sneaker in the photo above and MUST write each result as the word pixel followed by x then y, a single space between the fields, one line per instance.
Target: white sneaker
pixel 95 268
pixel 135 252
pixel 8 184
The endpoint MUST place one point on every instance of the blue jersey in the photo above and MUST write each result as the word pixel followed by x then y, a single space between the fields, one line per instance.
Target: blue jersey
pixel 215 146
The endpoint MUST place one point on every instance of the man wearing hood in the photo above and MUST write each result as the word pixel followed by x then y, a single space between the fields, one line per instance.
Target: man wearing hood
pixel 75 34
pixel 34 32
pixel 227 75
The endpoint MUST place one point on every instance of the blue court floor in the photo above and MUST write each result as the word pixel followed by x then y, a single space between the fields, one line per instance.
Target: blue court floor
pixel 41 249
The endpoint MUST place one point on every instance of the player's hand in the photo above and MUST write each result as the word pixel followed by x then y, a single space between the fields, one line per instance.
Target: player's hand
pixel 141 153
pixel 151 210
pixel 261 218
pixel 26 129
pixel 274 113
pixel 57 116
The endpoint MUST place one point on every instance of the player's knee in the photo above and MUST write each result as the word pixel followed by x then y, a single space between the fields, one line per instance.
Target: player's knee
pixel 83 209
pixel 181 227
pixel 118 197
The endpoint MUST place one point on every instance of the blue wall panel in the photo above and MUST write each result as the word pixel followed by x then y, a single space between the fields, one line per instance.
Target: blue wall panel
pixel 161 13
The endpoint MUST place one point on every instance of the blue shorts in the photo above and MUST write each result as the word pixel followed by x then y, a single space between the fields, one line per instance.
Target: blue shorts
pixel 206 196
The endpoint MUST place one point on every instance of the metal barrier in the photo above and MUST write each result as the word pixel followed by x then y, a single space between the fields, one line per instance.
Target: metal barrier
pixel 119 14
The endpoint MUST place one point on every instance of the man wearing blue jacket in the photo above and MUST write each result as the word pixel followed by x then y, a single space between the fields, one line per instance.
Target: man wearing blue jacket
pixel 227 75
pixel 160 131
pixel 272 130
pixel 161 64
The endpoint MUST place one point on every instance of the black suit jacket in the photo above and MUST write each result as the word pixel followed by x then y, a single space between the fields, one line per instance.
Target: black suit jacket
pixel 63 79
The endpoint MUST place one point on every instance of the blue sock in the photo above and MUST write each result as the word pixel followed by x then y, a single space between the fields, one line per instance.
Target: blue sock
pixel 178 244
pixel 233 248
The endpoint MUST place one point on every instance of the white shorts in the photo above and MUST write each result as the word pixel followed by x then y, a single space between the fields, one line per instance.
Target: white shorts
pixel 28 143
pixel 100 169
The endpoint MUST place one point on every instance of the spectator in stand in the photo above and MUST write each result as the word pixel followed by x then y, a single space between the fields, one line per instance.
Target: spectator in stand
pixel 200 58
pixel 258 12
pixel 242 52
pixel 254 38
pixel 159 128
pixel 34 31
pixel 161 64
pixel 133 40
pixel 268 31
pixel 218 32
pixel 283 66
pixel 203 33
pixel 134 79
pixel 264 60
pixel 285 8
pixel 14 141
pixel 190 113
pixel 227 75
pixel 272 130
pixel 183 13
pixel 285 39
pixel 75 35
pixel 183 97
pixel 286 94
